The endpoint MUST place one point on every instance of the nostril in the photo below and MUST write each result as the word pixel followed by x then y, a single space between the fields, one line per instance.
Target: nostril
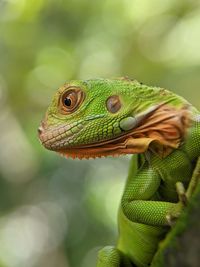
pixel 40 130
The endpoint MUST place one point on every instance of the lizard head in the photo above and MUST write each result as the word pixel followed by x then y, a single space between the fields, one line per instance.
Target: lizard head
pixel 99 117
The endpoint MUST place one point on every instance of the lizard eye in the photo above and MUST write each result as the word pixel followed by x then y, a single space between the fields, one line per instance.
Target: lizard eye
pixel 70 100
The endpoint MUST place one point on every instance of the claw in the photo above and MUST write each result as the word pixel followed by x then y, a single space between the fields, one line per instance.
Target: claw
pixel 180 189
pixel 171 220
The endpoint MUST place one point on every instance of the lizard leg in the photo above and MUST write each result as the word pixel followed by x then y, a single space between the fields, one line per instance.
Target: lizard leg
pixel 185 195
pixel 138 202
pixel 112 257
pixel 152 212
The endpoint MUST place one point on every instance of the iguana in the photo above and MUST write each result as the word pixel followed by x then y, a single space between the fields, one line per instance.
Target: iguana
pixel 111 117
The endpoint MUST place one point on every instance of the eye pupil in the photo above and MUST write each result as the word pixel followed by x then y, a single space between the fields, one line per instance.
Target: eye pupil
pixel 67 102
pixel 70 100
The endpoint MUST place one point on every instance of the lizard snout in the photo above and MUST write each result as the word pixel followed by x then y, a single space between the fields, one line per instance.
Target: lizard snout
pixel 41 130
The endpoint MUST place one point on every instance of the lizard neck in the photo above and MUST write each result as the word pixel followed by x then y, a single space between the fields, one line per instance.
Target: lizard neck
pixel 146 96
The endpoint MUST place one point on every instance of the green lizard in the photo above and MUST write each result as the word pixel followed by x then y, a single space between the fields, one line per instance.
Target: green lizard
pixel 102 117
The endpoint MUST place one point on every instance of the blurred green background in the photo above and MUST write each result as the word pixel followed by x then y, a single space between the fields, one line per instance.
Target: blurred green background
pixel 58 212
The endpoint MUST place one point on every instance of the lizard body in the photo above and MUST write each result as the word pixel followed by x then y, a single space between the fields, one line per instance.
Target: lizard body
pixel 103 117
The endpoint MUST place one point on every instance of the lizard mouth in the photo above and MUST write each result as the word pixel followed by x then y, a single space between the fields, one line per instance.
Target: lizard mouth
pixel 161 132
pixel 114 147
pixel 110 147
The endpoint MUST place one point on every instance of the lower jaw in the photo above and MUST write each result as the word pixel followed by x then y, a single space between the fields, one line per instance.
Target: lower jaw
pixel 91 152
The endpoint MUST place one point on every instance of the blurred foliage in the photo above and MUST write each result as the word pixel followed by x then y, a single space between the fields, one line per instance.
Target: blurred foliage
pixel 58 212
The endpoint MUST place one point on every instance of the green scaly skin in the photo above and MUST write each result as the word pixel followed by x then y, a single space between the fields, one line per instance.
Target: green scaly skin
pixel 150 201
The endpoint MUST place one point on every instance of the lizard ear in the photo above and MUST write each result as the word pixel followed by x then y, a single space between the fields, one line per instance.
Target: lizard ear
pixel 165 129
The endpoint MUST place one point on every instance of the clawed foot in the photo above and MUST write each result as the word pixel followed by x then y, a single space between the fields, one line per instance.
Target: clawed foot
pixel 180 189
pixel 183 200
pixel 171 220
